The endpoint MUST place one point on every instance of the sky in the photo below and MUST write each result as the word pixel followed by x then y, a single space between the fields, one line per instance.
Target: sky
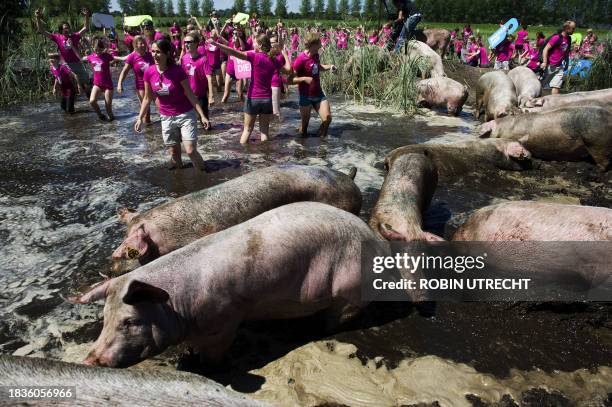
pixel 292 5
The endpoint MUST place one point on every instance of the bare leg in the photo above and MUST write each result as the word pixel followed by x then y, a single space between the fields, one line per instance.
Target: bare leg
pixel 228 87
pixel 276 102
pixel 192 151
pixel 264 126
pixel 211 91
pixel 240 90
pixel 305 116
pixel 223 68
pixel 93 102
pixel 175 155
pixel 324 111
pixel 249 123
pixel 219 81
pixel 555 91
pixel 108 103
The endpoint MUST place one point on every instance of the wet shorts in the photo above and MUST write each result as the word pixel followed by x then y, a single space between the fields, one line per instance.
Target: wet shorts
pixel 258 106
pixel 183 127
pixel 311 101
pixel 505 65
pixel 553 77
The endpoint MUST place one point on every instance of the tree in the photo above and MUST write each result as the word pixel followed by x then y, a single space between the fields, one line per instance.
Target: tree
pixel 344 9
pixel 319 8
pixel 181 8
pixel 370 9
pixel 356 8
pixel 194 7
pixel 127 6
pixel 145 7
pixel 306 8
pixel 207 7
pixel 239 6
pixel 253 6
pixel 266 8
pixel 332 10
pixel 170 8
pixel 281 9
pixel 160 8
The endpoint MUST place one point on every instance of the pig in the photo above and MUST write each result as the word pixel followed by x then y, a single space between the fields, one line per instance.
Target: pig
pixel 418 49
pixel 170 226
pixel 495 96
pixel 537 221
pixel 286 263
pixel 437 38
pixel 601 97
pixel 405 195
pixel 442 92
pixel 132 387
pixel 467 156
pixel 527 84
pixel 566 133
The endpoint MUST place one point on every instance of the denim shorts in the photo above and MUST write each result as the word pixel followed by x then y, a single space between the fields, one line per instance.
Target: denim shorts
pixel 311 101
pixel 183 127
pixel 258 106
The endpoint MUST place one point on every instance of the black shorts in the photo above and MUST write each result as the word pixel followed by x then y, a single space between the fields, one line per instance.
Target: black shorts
pixel 258 106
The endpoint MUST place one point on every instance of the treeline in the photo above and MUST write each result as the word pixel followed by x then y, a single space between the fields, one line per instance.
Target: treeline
pixel 548 12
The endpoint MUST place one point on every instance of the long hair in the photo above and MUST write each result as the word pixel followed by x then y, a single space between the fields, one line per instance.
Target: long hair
pixel 265 45
pixel 61 25
pixel 167 49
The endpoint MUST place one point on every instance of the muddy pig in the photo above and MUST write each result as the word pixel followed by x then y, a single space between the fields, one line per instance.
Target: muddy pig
pixel 288 262
pixel 437 38
pixel 418 49
pixel 602 97
pixel 495 96
pixel 405 195
pixel 101 386
pixel 527 84
pixel 175 224
pixel 467 156
pixel 442 92
pixel 567 133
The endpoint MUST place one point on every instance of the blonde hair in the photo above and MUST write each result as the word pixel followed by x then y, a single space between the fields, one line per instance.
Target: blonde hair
pixel 311 39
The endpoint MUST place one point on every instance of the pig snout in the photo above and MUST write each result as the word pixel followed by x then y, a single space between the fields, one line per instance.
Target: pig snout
pixel 516 150
pixel 389 233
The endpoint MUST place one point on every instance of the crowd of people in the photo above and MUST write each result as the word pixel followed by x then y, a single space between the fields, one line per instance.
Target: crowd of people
pixel 182 71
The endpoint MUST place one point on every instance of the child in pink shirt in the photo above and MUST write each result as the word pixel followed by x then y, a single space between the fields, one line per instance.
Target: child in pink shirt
pixel 264 62
pixel 138 61
pixel 102 81
pixel 373 38
pixel 66 80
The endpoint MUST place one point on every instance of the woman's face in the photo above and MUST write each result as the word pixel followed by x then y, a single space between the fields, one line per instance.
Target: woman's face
pixel 191 44
pixel 275 46
pixel 140 46
pixel 158 56
pixel 66 29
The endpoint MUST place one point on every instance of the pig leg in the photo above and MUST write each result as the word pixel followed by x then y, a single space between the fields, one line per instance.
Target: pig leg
pixel 601 156
pixel 338 314
pixel 212 349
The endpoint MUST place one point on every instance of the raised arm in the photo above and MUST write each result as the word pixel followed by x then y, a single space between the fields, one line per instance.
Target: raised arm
pixel 40 25
pixel 85 12
pixel 228 50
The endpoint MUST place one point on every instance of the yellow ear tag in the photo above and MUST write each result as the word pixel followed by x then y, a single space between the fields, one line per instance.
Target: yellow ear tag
pixel 132 253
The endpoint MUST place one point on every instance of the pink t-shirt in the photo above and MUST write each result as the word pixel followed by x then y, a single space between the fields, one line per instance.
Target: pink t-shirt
pixel 62 74
pixel 173 30
pixel 560 45
pixel 139 64
pixel 458 46
pixel 277 80
pixel 100 63
pixel 504 51
pixel 372 39
pixel 127 40
pixel 520 37
pixel 295 42
pixel 68 47
pixel 262 70
pixel 196 70
pixel 213 53
pixel 167 86
pixel 473 48
pixel 359 39
pixel 308 65
pixel 534 60
pixel 342 40
pixel 158 36
pixel 484 58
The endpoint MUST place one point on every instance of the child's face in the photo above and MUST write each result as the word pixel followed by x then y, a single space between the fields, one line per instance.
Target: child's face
pixel 314 48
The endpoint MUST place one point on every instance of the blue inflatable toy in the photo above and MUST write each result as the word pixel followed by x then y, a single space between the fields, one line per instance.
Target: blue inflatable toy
pixel 498 36
pixel 580 67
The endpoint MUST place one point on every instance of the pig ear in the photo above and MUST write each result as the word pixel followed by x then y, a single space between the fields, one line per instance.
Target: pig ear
pixel 138 291
pixel 485 129
pixel 126 215
pixel 95 294
pixel 430 237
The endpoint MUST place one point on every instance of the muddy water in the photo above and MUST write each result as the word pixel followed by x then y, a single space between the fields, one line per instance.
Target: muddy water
pixel 62 179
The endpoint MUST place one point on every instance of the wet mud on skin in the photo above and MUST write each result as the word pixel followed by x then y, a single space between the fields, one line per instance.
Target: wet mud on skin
pixel 62 179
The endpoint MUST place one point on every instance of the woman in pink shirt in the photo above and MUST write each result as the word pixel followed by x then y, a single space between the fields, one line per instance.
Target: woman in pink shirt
pixel 100 61
pixel 177 105
pixel 307 67
pixel 359 37
pixel 66 80
pixel 198 70
pixel 265 60
pixel 373 38
pixel 473 52
pixel 521 38
pixel 277 78
pixel 138 61
pixel 213 53
pixel 238 41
